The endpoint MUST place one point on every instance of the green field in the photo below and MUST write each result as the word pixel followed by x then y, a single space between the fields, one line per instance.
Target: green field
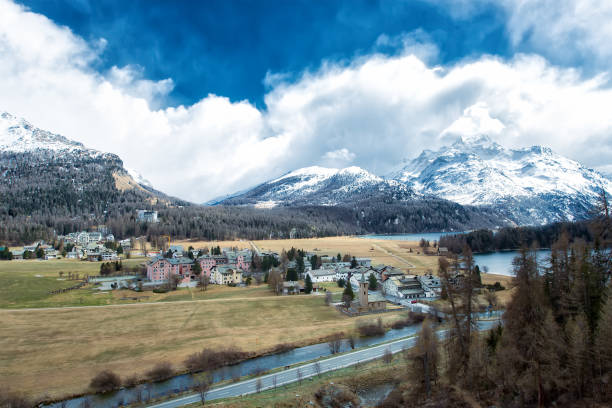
pixel 27 283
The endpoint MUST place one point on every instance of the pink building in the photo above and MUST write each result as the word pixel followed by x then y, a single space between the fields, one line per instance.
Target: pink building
pixel 207 262
pixel 160 269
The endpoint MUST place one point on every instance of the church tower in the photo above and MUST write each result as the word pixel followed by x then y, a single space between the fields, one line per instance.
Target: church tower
pixel 363 292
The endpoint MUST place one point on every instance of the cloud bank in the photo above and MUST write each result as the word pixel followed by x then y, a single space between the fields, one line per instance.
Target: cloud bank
pixel 372 112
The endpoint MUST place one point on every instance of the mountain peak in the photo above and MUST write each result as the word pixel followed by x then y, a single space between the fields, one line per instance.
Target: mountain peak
pixel 19 136
pixel 477 139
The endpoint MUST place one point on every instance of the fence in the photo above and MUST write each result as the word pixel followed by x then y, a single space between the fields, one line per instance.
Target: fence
pixel 64 290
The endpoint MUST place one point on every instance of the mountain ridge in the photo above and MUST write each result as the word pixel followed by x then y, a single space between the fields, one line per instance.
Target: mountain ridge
pixel 526 186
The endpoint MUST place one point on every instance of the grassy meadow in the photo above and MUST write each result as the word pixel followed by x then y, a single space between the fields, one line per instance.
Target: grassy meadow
pixel 26 283
pixel 56 352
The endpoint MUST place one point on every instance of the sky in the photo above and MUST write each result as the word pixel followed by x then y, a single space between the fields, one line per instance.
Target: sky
pixel 208 98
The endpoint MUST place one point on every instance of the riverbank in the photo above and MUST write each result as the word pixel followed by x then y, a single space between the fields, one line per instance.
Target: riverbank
pixel 80 342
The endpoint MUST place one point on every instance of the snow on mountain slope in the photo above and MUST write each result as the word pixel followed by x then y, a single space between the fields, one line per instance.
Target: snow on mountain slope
pixel 46 172
pixel 139 178
pixel 18 136
pixel 531 185
pixel 321 186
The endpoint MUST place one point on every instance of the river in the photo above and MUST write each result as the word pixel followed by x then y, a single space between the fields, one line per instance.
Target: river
pixel 186 381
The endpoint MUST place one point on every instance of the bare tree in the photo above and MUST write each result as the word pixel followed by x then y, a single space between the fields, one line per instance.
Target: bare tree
pixel 299 375
pixel 388 356
pixel 204 280
pixel 335 343
pixel 351 341
pixel 202 385
pixel 317 368
pixel 173 281
pixel 424 357
pixel 142 243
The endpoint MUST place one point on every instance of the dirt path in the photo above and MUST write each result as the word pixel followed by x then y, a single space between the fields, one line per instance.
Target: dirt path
pixel 33 309
pixel 399 258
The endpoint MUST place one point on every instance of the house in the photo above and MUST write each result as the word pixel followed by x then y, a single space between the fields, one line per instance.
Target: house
pixel 177 250
pixel 50 254
pixel 322 275
pixel 17 254
pixel 126 244
pixel 242 259
pixel 82 238
pixel 389 272
pixel 442 251
pixel 405 287
pixel 74 254
pixel 292 288
pixel 431 285
pixel 207 262
pixel 363 272
pixel 160 269
pixel 94 236
pixel 343 273
pixel 367 262
pixel 147 216
pixel 367 302
pixel 225 275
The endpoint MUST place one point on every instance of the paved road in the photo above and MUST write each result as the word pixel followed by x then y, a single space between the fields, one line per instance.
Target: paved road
pixel 293 374
pixel 299 373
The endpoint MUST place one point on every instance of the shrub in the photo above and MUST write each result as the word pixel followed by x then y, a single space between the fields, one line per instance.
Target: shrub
pixel 367 329
pixel 105 381
pixel 131 381
pixel 209 359
pixel 160 290
pixel 161 371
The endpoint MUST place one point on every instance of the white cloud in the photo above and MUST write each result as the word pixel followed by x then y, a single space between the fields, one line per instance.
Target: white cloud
pixel 343 156
pixel 372 112
pixel 476 121
pixel 566 31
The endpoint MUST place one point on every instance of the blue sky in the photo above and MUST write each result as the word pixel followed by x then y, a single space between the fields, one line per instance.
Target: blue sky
pixel 205 98
pixel 227 47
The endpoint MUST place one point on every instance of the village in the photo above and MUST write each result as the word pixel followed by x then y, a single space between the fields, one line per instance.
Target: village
pixel 295 271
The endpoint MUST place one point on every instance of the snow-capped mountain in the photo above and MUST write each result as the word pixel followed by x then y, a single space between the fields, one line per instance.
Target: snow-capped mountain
pixel 526 186
pixel 530 186
pixel 322 186
pixel 46 173
pixel 18 136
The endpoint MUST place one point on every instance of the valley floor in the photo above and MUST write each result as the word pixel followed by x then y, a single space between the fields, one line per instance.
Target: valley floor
pixel 51 346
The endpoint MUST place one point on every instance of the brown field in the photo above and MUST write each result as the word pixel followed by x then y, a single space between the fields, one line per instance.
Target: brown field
pixel 55 352
pixel 506 281
pixel 387 252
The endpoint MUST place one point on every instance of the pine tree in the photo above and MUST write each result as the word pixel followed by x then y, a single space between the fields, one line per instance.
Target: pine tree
pixel 307 284
pixel 372 282
pixel 348 291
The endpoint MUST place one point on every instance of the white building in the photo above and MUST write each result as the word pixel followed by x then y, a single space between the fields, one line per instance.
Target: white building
pixel 147 216
pixel 431 285
pixel 322 275
pixel 406 287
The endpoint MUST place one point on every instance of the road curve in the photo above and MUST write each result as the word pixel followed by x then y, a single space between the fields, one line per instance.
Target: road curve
pixel 292 375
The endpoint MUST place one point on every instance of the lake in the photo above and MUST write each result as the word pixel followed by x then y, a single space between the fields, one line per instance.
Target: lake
pixel 500 263
pixel 428 236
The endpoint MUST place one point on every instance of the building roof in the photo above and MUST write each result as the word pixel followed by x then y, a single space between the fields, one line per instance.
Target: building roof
pixel 376 297
pixel 322 272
